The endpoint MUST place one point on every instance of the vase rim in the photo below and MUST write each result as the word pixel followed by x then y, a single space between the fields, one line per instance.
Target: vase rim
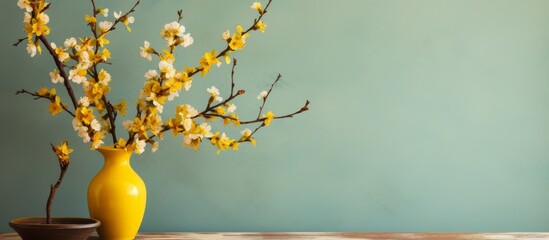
pixel 111 148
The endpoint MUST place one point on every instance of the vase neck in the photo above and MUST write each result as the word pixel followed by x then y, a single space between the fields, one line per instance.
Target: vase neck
pixel 114 156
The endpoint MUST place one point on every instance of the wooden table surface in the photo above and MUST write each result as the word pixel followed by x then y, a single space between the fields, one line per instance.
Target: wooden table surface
pixel 327 236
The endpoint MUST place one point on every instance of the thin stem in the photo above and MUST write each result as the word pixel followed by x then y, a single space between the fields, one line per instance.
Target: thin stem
pixel 53 188
pixel 111 114
pixel 20 40
pixel 303 109
pixel 267 96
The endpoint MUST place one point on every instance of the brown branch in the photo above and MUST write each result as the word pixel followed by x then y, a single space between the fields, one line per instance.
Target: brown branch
pixel 179 15
pixel 232 76
pixel 53 188
pixel 36 96
pixel 59 65
pixel 112 118
pixel 303 109
pixel 123 16
pixel 232 96
pixel 227 49
pixel 268 93
pixel 20 40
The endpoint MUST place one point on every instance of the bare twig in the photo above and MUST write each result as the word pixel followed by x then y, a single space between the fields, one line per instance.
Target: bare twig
pixel 179 15
pixel 20 40
pixel 266 96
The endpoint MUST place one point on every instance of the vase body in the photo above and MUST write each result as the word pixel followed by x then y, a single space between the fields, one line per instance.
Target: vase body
pixel 117 196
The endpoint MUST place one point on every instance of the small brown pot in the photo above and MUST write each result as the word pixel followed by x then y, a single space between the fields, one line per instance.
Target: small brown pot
pixel 60 228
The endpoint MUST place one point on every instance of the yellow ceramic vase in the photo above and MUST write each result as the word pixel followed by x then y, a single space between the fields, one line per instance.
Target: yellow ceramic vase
pixel 117 196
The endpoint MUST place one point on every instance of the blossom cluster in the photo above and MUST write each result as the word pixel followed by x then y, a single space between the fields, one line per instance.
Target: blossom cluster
pixel 78 63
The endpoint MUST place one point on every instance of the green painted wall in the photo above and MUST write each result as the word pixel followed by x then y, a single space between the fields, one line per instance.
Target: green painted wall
pixel 427 115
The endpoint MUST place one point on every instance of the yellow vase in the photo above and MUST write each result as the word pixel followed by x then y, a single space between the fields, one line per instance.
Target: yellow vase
pixel 117 196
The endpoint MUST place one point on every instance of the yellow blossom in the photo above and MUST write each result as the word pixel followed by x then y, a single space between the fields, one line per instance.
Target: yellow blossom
pixel 237 41
pixel 104 76
pixel 221 110
pixel 43 92
pixel 207 61
pixel 105 54
pixel 102 40
pixel 121 107
pixel 38 25
pixel 97 140
pixel 167 56
pixel 268 118
pixel 223 142
pixel 247 136
pixel 60 52
pixel 62 151
pixel 121 144
pixel 175 126
pixel 90 19
pixel 85 115
pixel 173 85
pixel 124 19
pixel 260 25
pixel 55 106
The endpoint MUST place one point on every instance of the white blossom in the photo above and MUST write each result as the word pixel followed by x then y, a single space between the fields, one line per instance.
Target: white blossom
pixel 215 93
pixel 166 67
pixel 27 18
pixel 139 145
pixel 83 133
pixel 105 12
pixel 75 124
pixel 70 42
pixel 151 74
pixel 105 26
pixel 246 132
pixel 75 77
pixel 173 95
pixel 155 147
pixel 187 40
pixel 55 77
pixel 128 125
pixel 206 129
pixel 145 51
pixel 23 4
pixel 31 49
pixel 262 95
pixel 84 101
pixel 117 15
pixel 226 35
pixel 97 144
pixel 231 108
pixel 158 106
pixel 44 18
pixel 95 125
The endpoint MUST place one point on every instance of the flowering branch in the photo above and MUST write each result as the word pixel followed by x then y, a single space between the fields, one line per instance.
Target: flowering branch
pixel 61 69
pixel 38 96
pixel 161 87
pixel 62 151
pixel 228 48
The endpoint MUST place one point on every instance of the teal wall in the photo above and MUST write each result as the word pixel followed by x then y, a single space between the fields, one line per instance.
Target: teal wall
pixel 426 115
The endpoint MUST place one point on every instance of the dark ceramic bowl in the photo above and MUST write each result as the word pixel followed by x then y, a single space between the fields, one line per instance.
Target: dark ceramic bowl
pixel 59 229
